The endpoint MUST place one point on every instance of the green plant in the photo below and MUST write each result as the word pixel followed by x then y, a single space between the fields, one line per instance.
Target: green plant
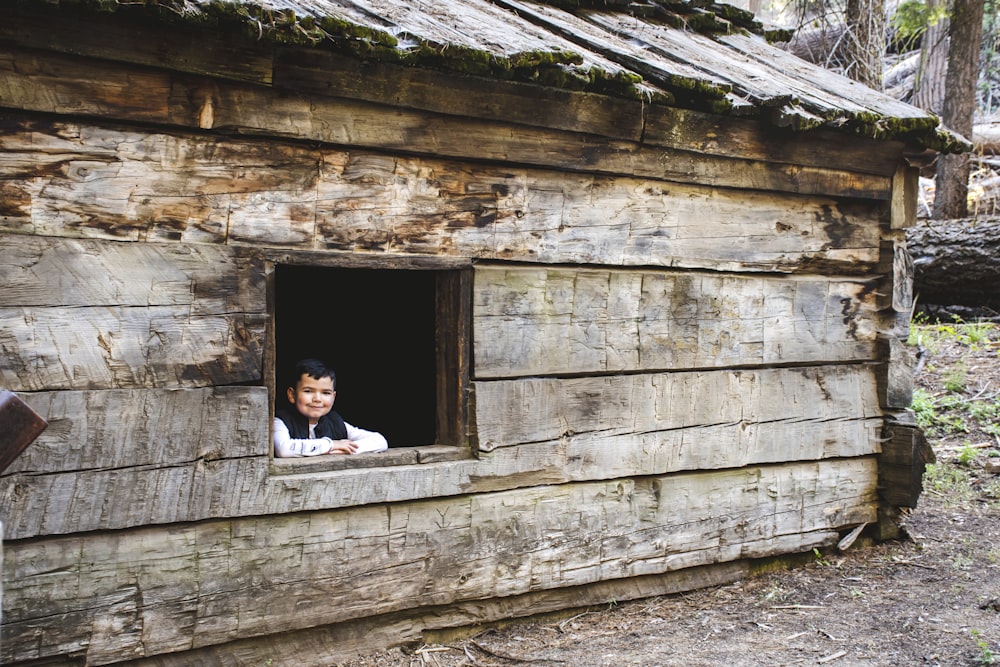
pixel 939 415
pixel 986 655
pixel 978 332
pixel 951 483
pixel 991 490
pixel 774 593
pixel 967 455
pixel 820 559
pixel 962 561
pixel 954 381
pixel 913 17
pixel 922 405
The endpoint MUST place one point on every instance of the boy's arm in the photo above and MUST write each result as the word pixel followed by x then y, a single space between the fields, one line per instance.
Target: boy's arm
pixel 285 446
pixel 367 441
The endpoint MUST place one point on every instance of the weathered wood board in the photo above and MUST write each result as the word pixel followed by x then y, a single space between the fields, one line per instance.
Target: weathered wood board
pixel 113 346
pixel 41 83
pixel 145 591
pixel 553 320
pixel 39 272
pixel 687 420
pixel 904 457
pixel 680 324
pixel 213 104
pixel 116 183
pixel 337 643
pixel 119 458
pixel 207 449
pixel 79 314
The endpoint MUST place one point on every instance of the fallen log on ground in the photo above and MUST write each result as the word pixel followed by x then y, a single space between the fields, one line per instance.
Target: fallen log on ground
pixel 955 262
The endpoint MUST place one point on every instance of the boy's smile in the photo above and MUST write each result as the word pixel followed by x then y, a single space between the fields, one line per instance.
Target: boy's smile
pixel 312 397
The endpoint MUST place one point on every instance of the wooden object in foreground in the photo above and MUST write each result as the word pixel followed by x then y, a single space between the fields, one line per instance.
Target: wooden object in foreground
pixel 19 426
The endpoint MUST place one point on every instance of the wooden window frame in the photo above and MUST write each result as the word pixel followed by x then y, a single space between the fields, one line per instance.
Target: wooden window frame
pixel 453 344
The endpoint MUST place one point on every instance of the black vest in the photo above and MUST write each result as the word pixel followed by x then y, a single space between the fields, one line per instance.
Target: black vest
pixel 329 425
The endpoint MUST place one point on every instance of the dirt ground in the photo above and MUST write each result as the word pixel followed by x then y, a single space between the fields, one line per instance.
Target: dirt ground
pixel 932 599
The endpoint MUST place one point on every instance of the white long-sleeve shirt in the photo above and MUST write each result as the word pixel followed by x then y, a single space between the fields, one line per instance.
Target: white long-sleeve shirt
pixel 285 446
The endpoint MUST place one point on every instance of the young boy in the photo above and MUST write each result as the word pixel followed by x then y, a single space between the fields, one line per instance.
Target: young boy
pixel 309 427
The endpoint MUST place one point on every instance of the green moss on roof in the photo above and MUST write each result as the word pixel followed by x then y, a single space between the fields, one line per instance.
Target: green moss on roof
pixel 556 68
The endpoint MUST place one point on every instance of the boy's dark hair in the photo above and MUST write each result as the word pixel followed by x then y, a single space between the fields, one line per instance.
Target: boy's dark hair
pixel 314 368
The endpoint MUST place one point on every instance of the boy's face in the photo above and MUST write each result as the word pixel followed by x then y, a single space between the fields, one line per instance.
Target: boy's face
pixel 311 397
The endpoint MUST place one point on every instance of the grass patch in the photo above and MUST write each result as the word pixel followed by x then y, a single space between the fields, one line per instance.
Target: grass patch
pixel 954 398
pixel 950 482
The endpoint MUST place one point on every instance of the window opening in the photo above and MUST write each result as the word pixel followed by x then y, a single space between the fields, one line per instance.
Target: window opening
pixel 395 338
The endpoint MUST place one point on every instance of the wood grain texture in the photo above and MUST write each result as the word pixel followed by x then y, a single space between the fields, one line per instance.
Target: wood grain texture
pixel 313 81
pixel 146 591
pixel 229 54
pixel 240 108
pixel 112 346
pixel 48 271
pixel 202 444
pixel 547 320
pixel 686 421
pixel 119 458
pixel 342 641
pixel 905 191
pixel 903 460
pixel 121 184
pixel 79 313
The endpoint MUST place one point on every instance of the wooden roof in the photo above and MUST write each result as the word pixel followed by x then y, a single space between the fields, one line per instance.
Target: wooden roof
pixel 683 53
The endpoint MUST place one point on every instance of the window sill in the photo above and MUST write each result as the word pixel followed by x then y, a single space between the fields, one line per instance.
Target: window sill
pixel 398 456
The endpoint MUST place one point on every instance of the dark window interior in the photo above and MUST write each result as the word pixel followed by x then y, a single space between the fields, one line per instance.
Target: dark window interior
pixel 376 329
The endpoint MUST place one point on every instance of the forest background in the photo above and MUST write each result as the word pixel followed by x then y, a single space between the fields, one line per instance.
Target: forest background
pixel 942 56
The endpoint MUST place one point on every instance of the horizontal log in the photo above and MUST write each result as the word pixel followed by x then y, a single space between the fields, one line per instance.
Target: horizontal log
pixel 313 71
pixel 343 641
pixel 543 321
pixel 685 421
pixel 228 54
pixel 317 72
pixel 121 184
pixel 232 107
pixel 111 459
pixel 111 443
pixel 740 137
pixel 213 582
pixel 955 261
pixel 47 271
pixel 143 314
pixel 112 346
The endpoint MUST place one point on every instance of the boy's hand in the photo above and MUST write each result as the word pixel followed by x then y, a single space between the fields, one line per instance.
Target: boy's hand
pixel 343 447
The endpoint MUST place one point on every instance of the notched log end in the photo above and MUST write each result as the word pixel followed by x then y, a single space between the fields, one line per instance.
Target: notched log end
pixel 905 454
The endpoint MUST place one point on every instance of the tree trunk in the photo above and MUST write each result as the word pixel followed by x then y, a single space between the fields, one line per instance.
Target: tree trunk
pixel 955 261
pixel 952 187
pixel 865 46
pixel 929 89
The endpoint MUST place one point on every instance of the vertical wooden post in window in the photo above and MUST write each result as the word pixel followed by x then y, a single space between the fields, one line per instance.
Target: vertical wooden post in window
pixel 452 333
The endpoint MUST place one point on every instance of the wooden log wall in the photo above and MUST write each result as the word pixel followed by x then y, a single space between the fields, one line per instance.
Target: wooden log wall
pixel 224 580
pixel 679 336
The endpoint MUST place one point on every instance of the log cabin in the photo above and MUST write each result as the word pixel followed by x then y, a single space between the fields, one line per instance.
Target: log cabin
pixel 623 284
